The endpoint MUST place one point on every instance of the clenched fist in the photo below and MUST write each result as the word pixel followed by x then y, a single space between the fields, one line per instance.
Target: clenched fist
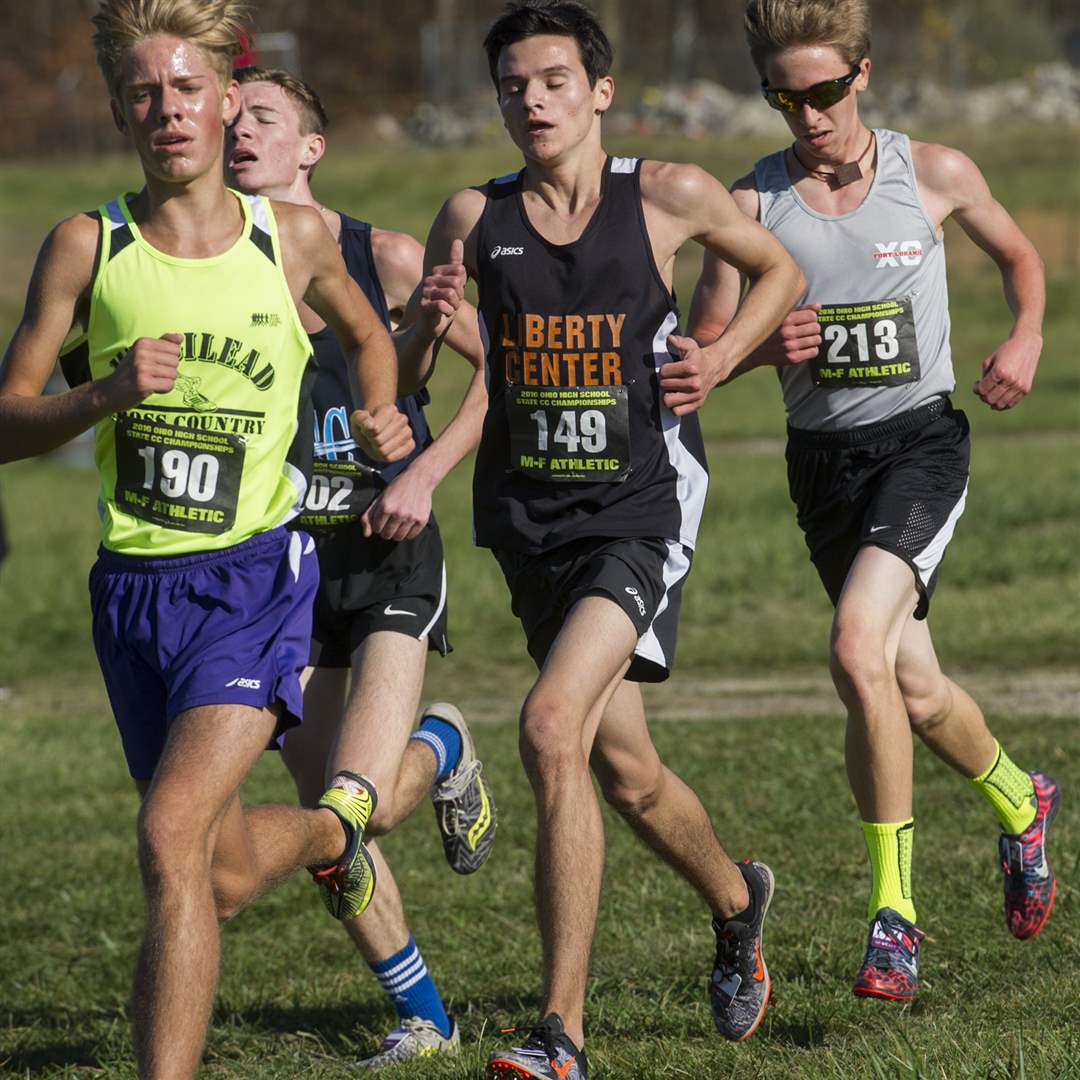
pixel 797 339
pixel 384 434
pixel 442 291
pixel 686 380
pixel 150 367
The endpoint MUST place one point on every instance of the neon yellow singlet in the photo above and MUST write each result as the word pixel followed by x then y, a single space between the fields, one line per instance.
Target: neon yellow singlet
pixel 203 466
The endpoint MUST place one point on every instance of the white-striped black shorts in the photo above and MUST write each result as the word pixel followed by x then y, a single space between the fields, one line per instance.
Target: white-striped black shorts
pixel 368 584
pixel 643 575
pixel 899 485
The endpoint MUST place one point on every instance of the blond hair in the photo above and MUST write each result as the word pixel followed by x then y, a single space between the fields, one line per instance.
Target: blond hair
pixel 215 26
pixel 774 25
pixel 309 109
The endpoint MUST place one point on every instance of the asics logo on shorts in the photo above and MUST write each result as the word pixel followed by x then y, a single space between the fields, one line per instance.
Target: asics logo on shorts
pixel 499 249
pixel 245 684
pixel 898 253
pixel 637 598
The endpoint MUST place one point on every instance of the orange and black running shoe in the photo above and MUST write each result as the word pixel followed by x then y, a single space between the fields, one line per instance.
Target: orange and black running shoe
pixel 547 1054
pixel 739 988
pixel 1030 885
pixel 891 967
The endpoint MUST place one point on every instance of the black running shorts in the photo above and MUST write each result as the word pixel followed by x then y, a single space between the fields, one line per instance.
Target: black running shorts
pixel 371 584
pixel 899 485
pixel 643 576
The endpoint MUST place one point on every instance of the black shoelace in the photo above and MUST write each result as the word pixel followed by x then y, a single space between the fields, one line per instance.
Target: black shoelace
pixel 734 950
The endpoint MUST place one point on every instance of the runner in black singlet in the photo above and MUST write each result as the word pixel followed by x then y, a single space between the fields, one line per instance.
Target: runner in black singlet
pixel 381 603
pixel 589 485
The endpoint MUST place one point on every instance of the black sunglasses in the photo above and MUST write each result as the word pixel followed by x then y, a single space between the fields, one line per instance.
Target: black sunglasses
pixel 822 95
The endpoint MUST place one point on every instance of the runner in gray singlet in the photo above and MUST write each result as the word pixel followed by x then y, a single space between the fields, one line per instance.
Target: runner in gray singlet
pixel 873 363
pixel 877 456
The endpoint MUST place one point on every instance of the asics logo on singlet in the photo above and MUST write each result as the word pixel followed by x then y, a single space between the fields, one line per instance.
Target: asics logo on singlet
pixel 637 598
pixel 898 253
pixel 245 684
pixel 500 249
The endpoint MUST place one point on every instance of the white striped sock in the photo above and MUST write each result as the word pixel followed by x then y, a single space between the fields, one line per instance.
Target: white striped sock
pixel 436 745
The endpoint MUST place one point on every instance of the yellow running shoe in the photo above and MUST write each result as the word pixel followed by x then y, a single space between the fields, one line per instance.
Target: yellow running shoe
pixel 348 885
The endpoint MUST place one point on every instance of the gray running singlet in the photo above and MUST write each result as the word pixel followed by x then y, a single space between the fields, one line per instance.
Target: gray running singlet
pixel 879 274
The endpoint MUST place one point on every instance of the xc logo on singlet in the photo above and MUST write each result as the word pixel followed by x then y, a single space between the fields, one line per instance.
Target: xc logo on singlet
pixel 499 249
pixel 898 253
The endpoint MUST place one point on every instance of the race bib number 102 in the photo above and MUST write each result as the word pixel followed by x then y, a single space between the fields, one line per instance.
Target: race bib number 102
pixel 338 494
pixel 868 344
pixel 569 432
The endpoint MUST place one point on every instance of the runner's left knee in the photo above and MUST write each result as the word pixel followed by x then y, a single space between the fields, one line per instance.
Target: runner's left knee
pixel 634 792
pixel 233 888
pixel 928 705
pixel 549 738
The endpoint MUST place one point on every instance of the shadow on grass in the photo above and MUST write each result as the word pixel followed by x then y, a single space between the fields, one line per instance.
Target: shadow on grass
pixel 67 1029
pixel 805 1035
pixel 330 1023
pixel 42 1060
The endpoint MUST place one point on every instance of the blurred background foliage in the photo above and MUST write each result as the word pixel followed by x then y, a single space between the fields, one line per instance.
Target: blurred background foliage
pixel 376 62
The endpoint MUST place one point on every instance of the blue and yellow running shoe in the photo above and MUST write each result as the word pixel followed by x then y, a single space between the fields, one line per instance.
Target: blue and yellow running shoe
pixel 348 885
pixel 464 807
pixel 1030 885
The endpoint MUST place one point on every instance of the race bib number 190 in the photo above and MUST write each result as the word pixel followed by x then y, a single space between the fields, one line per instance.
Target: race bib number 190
pixel 870 344
pixel 569 432
pixel 179 478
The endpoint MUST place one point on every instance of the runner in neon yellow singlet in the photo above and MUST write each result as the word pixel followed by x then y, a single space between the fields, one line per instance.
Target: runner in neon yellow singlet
pixel 190 366
pixel 202 466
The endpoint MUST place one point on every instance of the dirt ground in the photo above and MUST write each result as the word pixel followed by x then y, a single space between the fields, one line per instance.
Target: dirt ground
pixel 1053 694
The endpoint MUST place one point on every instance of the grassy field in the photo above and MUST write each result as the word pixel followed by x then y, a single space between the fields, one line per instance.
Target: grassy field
pixel 295 1002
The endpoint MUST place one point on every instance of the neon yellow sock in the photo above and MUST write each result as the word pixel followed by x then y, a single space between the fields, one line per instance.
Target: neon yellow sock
pixel 1009 790
pixel 889 845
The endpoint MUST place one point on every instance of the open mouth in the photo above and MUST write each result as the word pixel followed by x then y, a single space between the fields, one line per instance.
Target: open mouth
pixel 539 127
pixel 241 157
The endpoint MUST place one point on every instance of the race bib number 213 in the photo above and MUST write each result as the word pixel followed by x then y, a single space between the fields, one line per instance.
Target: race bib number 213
pixel 866 344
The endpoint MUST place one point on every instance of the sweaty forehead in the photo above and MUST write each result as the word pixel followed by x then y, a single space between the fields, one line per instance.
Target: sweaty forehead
pixel 163 56
pixel 539 53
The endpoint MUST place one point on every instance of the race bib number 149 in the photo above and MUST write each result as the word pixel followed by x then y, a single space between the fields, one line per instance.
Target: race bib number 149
pixel 869 344
pixel 569 432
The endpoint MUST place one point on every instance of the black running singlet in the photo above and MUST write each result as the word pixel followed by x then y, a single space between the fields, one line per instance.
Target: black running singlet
pixel 345 479
pixel 576 440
